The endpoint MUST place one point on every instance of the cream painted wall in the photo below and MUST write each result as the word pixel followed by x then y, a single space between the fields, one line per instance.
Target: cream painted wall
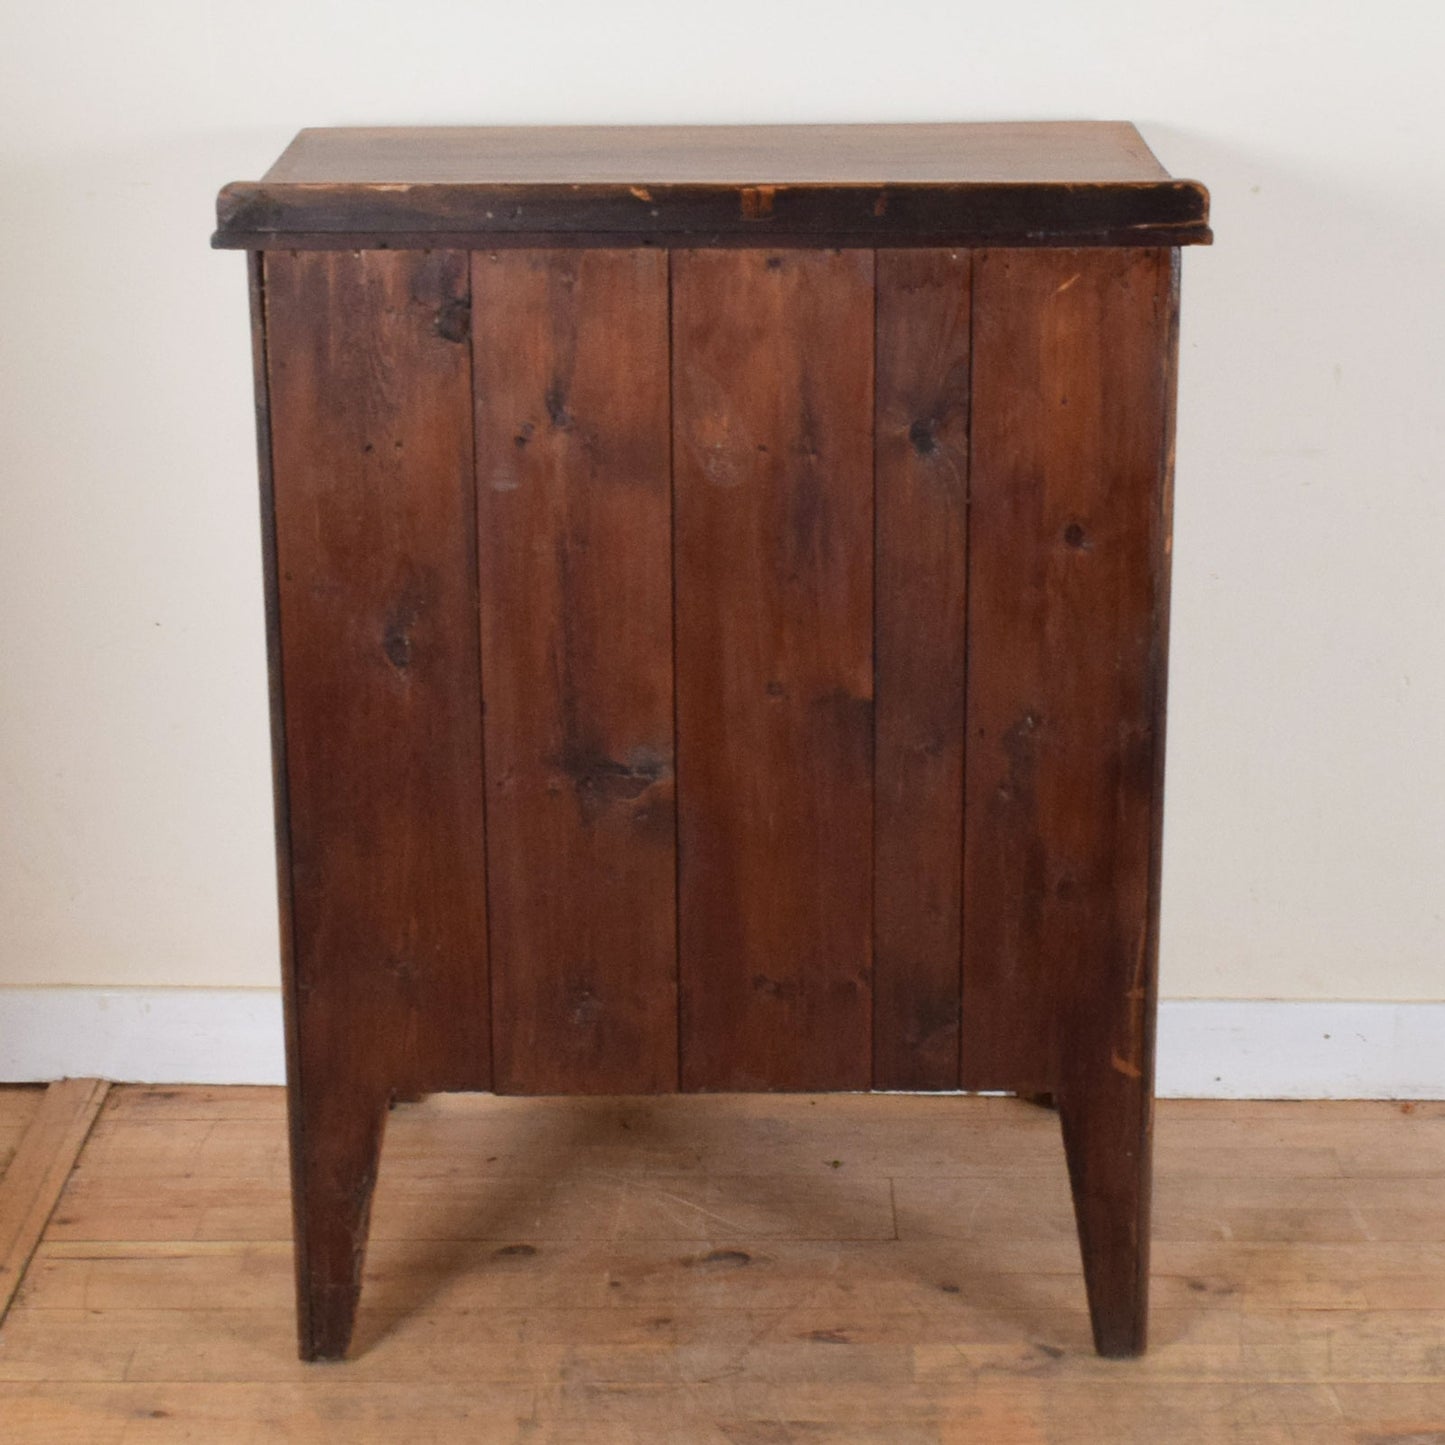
pixel 1306 837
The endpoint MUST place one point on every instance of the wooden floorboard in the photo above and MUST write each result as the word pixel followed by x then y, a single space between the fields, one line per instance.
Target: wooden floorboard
pixel 743 1270
pixel 38 1171
pixel 18 1104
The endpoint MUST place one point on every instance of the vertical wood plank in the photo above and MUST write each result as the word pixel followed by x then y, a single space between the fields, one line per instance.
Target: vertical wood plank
pixel 1066 597
pixel 773 412
pixel 575 527
pixel 369 383
pixel 921 466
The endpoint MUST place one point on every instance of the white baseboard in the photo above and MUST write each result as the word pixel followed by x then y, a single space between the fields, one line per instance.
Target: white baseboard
pixel 1208 1048
pixel 142 1035
pixel 1293 1049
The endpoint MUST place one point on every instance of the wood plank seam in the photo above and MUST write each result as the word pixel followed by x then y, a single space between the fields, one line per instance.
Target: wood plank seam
pixel 676 736
pixel 476 554
pixel 967 668
pixel 873 741
pixel 38 1173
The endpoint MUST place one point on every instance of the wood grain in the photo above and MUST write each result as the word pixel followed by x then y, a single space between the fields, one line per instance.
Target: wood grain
pixel 1065 591
pixel 17 1107
pixel 611 1412
pixel 575 525
pixel 37 1173
pixel 370 393
pixel 1073 353
pixel 738 1336
pixel 1018 152
pixel 369 388
pixel 773 411
pixel 921 482
pixel 1025 183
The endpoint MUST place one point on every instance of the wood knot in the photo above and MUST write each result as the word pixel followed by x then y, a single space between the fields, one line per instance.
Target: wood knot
pixel 454 321
pixel 555 401
pixel 921 434
pixel 397 647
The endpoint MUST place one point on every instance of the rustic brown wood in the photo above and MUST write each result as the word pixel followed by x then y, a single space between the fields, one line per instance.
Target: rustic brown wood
pixel 773 402
pixel 1076 182
pixel 921 482
pixel 37 1173
pixel 370 397
pixel 369 387
pixel 575 519
pixel 280 795
pixel 18 1104
pixel 952 239
pixel 1107 1109
pixel 1278 1318
pixel 1016 152
pixel 1067 595
pixel 901 640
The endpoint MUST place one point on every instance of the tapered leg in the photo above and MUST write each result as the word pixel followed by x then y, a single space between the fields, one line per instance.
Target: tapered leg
pixel 1107 1127
pixel 336 1148
pixel 1069 486
pixel 369 529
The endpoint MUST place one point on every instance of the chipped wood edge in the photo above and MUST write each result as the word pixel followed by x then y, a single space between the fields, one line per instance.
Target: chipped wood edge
pixel 37 1174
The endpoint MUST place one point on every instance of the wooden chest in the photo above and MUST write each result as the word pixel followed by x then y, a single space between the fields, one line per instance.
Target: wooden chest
pixel 717 587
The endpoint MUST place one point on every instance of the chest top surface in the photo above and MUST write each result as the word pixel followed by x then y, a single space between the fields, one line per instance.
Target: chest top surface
pixel 1059 183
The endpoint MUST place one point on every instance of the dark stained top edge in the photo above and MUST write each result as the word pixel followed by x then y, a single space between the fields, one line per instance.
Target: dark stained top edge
pixel 1029 183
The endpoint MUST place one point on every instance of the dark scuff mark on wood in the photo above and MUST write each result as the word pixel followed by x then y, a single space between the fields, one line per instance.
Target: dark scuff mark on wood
pixel 584 1007
pixel 777 988
pixel 721 1259
pixel 396 636
pixel 1018 746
